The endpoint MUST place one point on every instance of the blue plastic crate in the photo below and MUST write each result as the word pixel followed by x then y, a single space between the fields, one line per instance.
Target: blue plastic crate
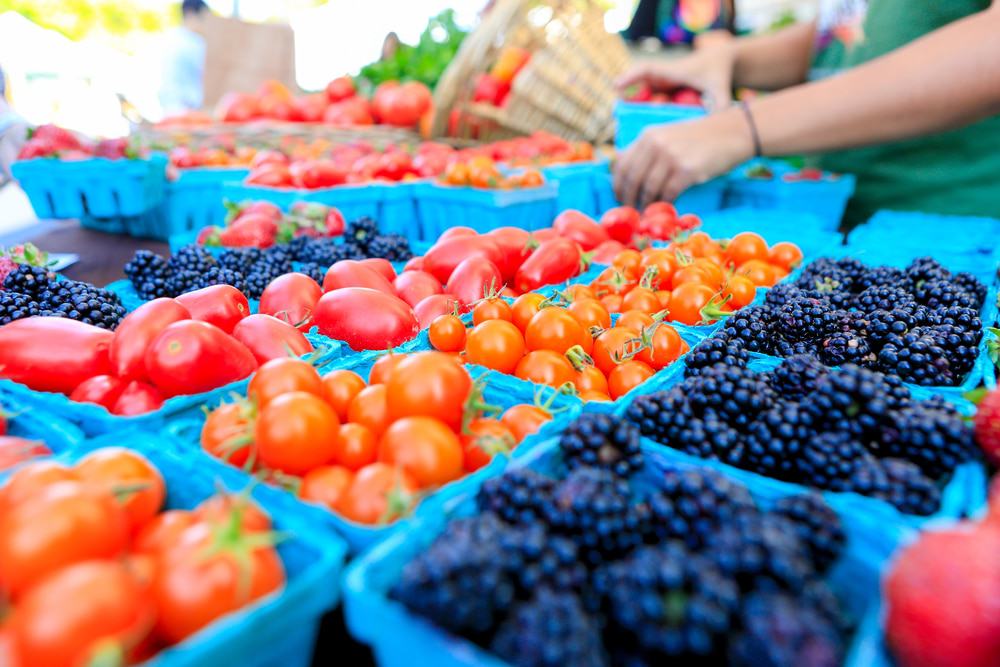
pixel 354 201
pixel 699 199
pixel 973 240
pixel 634 117
pixel 441 207
pixel 31 423
pixel 826 198
pixel 803 229
pixel 95 420
pixel 279 629
pixel 398 213
pixel 98 191
pixel 416 642
pixel 193 201
pixel 576 182
pixel 499 390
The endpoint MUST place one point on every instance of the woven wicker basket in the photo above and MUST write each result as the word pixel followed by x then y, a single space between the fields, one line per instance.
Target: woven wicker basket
pixel 567 87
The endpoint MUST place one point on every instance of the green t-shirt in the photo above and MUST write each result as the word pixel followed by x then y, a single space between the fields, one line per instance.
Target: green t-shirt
pixel 955 172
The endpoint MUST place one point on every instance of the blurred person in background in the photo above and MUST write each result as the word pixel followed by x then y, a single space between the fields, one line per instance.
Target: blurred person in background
pixel 903 93
pixel 675 22
pixel 13 133
pixel 182 86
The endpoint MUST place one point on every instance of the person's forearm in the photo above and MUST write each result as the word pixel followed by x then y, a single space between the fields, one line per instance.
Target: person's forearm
pixel 942 81
pixel 773 61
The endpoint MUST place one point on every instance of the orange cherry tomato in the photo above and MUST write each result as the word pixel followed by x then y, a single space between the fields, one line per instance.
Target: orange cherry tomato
pixel 590 313
pixel 711 269
pixel 378 494
pixel 636 320
pixel 758 272
pixel 699 243
pixel 383 367
pixel 746 246
pixel 447 333
pixel 612 346
pixel 546 367
pixel 641 299
pixel 628 259
pixel 524 419
pixel 369 409
pixel 495 344
pixel 325 485
pixel 786 255
pixel 554 329
pixel 577 292
pixel 626 376
pixel 613 280
pixel 485 439
pixel 282 376
pixel 30 479
pixel 492 309
pixel 740 291
pixel 425 448
pixel 592 395
pixel 296 432
pixel 114 468
pixel 664 262
pixel 356 448
pixel 590 378
pixel 691 274
pixel 612 302
pixel 341 388
pixel 687 302
pixel 663 296
pixel 664 347
pixel 524 308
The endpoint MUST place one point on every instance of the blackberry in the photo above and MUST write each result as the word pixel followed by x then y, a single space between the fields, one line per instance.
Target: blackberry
pixel 783 348
pixel 846 348
pixel 393 247
pixel 315 271
pixel 831 461
pixel 239 259
pixel 943 293
pixel 879 276
pixel 666 602
pixel 348 250
pixel 592 507
pixel 925 269
pixel 667 418
pixel 320 251
pixel 884 324
pixel 931 356
pixel 82 302
pixel 753 328
pixel 255 284
pixel 15 306
pixel 736 394
pixel 220 276
pixel 518 496
pixel 600 440
pixel 148 274
pixel 551 630
pixel 362 231
pixel 191 258
pixel 971 285
pixel 775 440
pixel 882 298
pixel 716 350
pixel 962 318
pixel 817 526
pixel 909 490
pixel 797 376
pixel 806 319
pixel 830 275
pixel 779 630
pixel 761 551
pixel 29 280
pixel 856 400
pixel 690 505
pixel 783 293
pixel 279 258
pixel 181 282
pixel 936 440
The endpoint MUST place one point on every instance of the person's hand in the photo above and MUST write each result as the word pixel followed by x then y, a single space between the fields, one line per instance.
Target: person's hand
pixel 709 71
pixel 668 159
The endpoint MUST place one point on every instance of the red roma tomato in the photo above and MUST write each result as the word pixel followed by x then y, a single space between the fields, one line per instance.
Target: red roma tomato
pixel 282 376
pixel 162 531
pixel 137 331
pixel 370 409
pixel 491 309
pixel 434 306
pixel 687 302
pixel 513 243
pixel 621 223
pixel 589 313
pixel 269 338
pixel 746 246
pixel 554 329
pixel 473 279
pixel 381 266
pixel 425 448
pixel 291 298
pixel 53 353
pixel 664 346
pixel 221 305
pixel 485 439
pixel 740 291
pixel 554 261
pixel 228 434
pixel 495 344
pixel 196 583
pixel 379 494
pixel 356 448
pixel 523 420
pixel 612 346
pixel 325 485
pixel 441 260
pixel 447 334
pixel 14 450
pixel 350 111
pixel 31 479
pixel 786 255
pixel 341 388
pixel 296 432
pixel 581 228
pixel 365 319
pixel 606 252
pixel 340 89
pixel 456 232
pixel 428 384
pixel 349 273
pixel 101 389
pixel 415 286
pixel 270 176
pixel 79 612
pixel 546 367
pixel 138 398
pixel 383 367
pixel 113 468
pixel 590 378
pixel 192 357
pixel 65 523
pixel 626 376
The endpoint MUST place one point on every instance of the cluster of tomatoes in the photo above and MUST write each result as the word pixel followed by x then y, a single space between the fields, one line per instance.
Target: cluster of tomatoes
pixel 696 280
pixel 94 571
pixel 482 172
pixel 683 95
pixel 366 449
pixel 566 341
pixel 197 342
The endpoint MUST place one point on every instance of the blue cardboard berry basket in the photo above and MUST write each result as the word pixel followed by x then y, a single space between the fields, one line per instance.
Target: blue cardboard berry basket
pixel 25 421
pixel 498 391
pixel 801 228
pixel 970 240
pixel 634 117
pixel 440 207
pixel 354 201
pixel 100 192
pixel 825 198
pixel 278 629
pixel 576 182
pixel 95 420
pixel 398 213
pixel 416 642
pixel 192 202
pixel 699 199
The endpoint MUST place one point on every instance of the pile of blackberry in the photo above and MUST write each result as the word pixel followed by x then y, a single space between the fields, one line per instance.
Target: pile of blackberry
pixel 849 429
pixel 921 323
pixel 31 291
pixel 250 270
pixel 613 560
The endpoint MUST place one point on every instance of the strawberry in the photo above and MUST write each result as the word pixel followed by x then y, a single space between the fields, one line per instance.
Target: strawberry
pixel 250 231
pixel 987 426
pixel 334 222
pixel 7 266
pixel 943 596
pixel 26 253
pixel 210 236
